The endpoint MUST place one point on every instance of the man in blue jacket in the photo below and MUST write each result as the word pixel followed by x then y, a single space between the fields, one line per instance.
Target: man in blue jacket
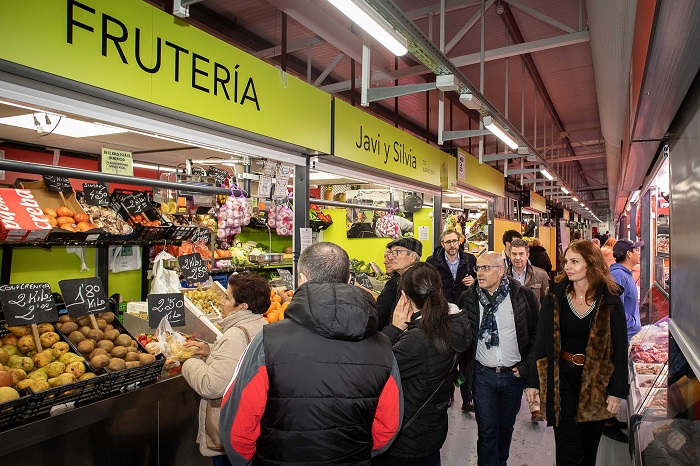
pixel 626 254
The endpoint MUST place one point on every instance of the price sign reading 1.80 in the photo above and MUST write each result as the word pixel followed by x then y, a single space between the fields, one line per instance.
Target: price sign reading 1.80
pixel 168 305
pixel 84 296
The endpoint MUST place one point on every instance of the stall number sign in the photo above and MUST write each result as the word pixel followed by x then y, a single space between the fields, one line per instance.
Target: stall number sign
pixel 168 305
pixel 218 174
pixel 96 194
pixel 28 303
pixel 193 268
pixel 84 296
pixel 136 203
pixel 57 184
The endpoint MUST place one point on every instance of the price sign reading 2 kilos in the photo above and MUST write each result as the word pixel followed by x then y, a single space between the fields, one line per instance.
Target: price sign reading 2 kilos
pixel 28 303
pixel 84 296
pixel 168 305
pixel 193 268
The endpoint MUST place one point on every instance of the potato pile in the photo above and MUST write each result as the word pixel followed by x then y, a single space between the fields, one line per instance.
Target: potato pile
pixel 22 366
pixel 105 346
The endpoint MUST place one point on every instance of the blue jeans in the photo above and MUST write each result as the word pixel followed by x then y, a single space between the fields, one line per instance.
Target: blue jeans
pixel 497 398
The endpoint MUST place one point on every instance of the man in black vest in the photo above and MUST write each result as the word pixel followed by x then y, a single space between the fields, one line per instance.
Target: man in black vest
pixel 320 387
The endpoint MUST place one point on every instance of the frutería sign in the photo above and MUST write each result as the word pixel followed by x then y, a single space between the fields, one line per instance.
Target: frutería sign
pixel 132 48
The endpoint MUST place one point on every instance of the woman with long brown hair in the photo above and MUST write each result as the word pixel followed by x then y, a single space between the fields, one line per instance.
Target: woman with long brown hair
pixel 581 354
pixel 427 333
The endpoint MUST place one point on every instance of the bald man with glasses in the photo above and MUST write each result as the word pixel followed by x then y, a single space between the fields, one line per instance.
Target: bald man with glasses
pixel 503 316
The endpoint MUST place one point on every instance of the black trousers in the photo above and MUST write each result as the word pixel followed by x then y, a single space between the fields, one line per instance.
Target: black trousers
pixel 576 443
pixel 467 370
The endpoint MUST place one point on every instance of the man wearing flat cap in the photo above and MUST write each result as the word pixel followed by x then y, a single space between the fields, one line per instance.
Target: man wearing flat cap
pixel 399 255
pixel 627 255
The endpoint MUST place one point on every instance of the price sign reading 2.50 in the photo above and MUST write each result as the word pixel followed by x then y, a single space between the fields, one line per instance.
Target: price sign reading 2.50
pixel 193 268
pixel 168 305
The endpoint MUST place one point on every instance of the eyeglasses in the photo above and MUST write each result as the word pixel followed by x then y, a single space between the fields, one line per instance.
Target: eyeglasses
pixel 395 252
pixel 486 268
pixel 450 241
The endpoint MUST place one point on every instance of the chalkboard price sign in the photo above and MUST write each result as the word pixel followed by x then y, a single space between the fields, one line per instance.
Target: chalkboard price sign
pixel 168 305
pixel 218 174
pixel 202 234
pixel 198 171
pixel 28 303
pixel 57 184
pixel 84 296
pixel 364 280
pixel 96 194
pixel 136 203
pixel 193 268
pixel 287 278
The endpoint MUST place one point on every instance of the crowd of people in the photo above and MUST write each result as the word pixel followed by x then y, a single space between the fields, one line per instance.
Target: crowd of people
pixel 347 379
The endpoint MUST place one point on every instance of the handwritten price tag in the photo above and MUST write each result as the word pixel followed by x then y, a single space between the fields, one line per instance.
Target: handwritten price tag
pixel 136 203
pixel 57 184
pixel 84 296
pixel 218 174
pixel 96 194
pixel 193 268
pixel 28 303
pixel 168 305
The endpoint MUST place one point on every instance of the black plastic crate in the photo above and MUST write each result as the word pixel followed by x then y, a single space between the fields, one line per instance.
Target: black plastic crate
pixel 142 232
pixel 135 377
pixel 56 400
pixel 181 232
pixel 107 236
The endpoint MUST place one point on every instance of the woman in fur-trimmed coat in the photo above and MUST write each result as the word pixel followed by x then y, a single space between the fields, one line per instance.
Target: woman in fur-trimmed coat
pixel 581 355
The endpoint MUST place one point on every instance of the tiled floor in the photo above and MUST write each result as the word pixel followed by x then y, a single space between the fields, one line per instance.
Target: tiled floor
pixel 533 443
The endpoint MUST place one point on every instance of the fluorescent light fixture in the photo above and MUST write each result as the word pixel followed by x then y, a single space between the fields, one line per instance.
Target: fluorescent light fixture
pixel 446 205
pixel 469 101
pixel 148 166
pixel 566 191
pixel 546 174
pixel 498 132
pixel 583 205
pixel 61 125
pixel 446 82
pixel 575 199
pixel 33 109
pixel 372 22
pixel 635 197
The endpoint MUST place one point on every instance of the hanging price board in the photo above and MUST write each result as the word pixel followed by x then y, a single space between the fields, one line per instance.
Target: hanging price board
pixel 201 234
pixel 168 305
pixel 84 296
pixel 218 174
pixel 136 203
pixel 96 194
pixel 57 184
pixel 287 278
pixel 28 303
pixel 193 268
pixel 198 171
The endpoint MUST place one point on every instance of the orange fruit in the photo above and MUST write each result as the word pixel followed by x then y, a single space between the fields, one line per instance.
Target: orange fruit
pixel 281 315
pixel 272 317
pixel 277 298
pixel 285 304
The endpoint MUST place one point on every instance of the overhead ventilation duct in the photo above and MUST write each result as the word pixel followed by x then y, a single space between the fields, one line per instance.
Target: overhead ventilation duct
pixel 611 29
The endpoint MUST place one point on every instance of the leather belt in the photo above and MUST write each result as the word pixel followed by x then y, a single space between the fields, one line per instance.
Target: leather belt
pixel 498 369
pixel 577 359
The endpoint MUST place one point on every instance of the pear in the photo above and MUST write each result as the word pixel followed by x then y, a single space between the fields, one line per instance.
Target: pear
pixel 55 369
pixel 8 394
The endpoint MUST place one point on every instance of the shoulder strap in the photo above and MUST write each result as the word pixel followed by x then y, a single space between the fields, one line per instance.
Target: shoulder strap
pixel 245 332
pixel 449 374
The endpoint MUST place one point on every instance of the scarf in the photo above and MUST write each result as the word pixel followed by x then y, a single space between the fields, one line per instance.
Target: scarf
pixel 489 329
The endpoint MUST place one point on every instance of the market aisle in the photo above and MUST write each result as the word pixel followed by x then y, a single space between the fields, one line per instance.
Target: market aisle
pixel 533 444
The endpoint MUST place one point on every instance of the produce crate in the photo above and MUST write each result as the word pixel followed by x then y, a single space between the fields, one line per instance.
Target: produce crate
pixel 181 232
pixel 57 400
pixel 12 412
pixel 107 236
pixel 142 232
pixel 135 377
pixel 318 225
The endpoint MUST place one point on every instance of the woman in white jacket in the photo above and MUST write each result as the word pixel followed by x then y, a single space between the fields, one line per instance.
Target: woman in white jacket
pixel 247 297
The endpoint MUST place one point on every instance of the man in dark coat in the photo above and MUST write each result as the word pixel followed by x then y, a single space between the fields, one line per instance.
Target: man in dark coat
pixel 398 256
pixel 503 318
pixel 457 271
pixel 320 387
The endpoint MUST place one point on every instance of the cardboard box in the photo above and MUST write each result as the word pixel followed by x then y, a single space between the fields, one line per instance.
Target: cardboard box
pixel 51 200
pixel 21 218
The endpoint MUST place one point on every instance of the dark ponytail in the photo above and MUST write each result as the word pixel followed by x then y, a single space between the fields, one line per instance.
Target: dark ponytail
pixel 422 284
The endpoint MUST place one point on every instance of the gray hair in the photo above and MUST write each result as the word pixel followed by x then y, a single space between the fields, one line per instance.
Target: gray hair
pixel 325 262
